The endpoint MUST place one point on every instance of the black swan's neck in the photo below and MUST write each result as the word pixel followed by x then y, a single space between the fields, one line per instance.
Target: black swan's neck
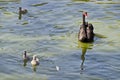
pixel 84 20
pixel 84 24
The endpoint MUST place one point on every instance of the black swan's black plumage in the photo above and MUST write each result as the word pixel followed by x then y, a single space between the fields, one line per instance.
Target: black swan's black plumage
pixel 86 33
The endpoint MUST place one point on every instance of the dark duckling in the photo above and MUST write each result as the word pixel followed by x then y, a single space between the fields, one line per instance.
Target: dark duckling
pixel 25 58
pixel 24 11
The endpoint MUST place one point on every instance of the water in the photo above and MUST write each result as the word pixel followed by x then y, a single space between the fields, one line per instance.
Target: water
pixel 49 30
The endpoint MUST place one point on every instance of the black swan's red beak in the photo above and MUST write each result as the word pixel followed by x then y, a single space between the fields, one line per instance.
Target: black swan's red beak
pixel 85 14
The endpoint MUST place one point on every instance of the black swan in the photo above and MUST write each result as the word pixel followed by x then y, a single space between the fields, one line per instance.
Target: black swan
pixel 86 33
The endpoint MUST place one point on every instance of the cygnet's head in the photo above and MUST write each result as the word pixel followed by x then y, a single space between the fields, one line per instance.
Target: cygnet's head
pixel 34 57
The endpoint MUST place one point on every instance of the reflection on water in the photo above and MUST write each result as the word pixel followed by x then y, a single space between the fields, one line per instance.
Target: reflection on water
pixel 34 68
pixel 84 47
pixel 20 15
pixel 25 62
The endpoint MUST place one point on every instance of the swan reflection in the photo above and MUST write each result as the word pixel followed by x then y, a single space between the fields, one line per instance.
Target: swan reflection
pixel 84 47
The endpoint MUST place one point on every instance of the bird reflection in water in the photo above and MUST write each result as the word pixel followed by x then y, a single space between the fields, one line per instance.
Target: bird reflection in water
pixel 84 47
pixel 34 68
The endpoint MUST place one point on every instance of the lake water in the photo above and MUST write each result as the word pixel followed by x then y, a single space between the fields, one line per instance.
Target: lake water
pixel 50 31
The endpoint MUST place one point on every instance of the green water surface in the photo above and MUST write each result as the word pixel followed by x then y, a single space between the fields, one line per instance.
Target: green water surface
pixel 50 31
